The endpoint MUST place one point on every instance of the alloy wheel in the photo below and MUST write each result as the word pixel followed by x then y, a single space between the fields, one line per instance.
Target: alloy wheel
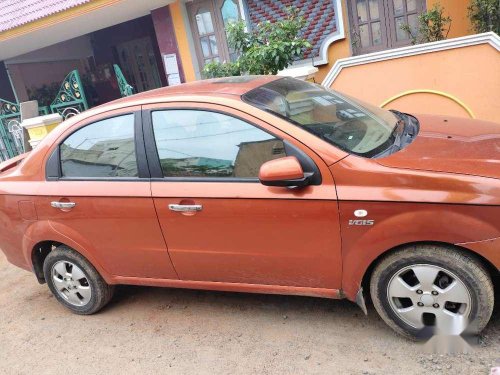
pixel 428 295
pixel 71 283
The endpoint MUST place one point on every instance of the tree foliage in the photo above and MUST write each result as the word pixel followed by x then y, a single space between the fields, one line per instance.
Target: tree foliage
pixel 484 15
pixel 216 70
pixel 266 49
pixel 432 26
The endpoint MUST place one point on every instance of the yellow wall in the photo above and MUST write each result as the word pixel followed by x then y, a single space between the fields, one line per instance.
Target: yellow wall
pixel 182 41
pixel 457 10
pixel 449 82
pixel 338 49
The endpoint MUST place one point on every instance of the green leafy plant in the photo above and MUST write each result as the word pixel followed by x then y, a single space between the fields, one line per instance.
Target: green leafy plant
pixel 484 15
pixel 267 49
pixel 216 70
pixel 432 26
pixel 44 94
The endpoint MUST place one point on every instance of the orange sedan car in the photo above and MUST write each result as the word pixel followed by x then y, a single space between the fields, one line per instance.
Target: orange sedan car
pixel 265 185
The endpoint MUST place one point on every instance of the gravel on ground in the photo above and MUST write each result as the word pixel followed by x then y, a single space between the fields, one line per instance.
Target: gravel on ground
pixel 174 331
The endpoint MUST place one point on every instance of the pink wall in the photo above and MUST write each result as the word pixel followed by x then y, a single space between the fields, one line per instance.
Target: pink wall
pixel 32 75
pixel 38 74
pixel 48 65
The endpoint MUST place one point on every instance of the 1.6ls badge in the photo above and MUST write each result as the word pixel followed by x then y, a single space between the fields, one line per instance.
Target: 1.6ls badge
pixel 361 222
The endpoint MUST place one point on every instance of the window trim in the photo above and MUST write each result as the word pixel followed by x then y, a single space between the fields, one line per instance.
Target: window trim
pixel 53 166
pixel 154 159
pixel 215 6
pixel 387 25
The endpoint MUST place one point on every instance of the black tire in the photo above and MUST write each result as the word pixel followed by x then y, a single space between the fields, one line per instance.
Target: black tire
pixel 101 292
pixel 466 267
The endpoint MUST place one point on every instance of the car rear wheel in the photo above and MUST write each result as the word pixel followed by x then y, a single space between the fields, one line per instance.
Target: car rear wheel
pixel 424 290
pixel 75 282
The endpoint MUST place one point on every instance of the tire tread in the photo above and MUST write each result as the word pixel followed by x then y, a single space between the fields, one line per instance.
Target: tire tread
pixel 102 292
pixel 455 257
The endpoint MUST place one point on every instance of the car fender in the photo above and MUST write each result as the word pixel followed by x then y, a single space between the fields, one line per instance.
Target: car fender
pixel 46 230
pixel 396 225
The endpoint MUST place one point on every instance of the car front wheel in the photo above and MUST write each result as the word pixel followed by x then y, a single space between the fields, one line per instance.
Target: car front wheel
pixel 425 290
pixel 75 282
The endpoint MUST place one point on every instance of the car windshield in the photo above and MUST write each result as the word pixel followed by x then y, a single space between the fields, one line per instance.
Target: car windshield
pixel 342 121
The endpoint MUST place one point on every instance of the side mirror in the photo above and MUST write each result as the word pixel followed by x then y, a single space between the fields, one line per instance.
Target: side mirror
pixel 285 171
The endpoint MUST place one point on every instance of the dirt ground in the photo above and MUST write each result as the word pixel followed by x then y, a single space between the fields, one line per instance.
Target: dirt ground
pixel 172 331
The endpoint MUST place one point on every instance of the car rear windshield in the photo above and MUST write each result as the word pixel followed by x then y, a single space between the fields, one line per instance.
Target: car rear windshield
pixel 342 121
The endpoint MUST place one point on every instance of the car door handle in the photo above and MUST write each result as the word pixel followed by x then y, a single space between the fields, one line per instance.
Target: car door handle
pixel 63 205
pixel 185 207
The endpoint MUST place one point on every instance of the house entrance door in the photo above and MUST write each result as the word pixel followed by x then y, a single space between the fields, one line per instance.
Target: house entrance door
pixel 138 61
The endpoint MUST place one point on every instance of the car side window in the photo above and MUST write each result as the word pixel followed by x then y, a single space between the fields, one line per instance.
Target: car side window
pixel 104 149
pixel 196 143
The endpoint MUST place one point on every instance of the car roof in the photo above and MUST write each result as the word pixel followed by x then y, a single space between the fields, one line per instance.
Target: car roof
pixel 236 86
pixel 221 91
pixel 211 89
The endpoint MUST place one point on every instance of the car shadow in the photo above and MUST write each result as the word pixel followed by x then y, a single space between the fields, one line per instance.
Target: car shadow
pixel 125 295
pixel 306 308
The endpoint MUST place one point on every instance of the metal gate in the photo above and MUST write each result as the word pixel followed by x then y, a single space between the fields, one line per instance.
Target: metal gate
pixel 70 101
pixel 9 118
pixel 123 85
pixel 71 98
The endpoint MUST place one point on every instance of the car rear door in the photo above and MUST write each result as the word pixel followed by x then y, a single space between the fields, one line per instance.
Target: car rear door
pixel 205 158
pixel 98 194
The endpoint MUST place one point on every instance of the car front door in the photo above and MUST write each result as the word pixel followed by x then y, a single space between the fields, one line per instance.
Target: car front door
pixel 98 194
pixel 206 159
